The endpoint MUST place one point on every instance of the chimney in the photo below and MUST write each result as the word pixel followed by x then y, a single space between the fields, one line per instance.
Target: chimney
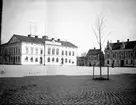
pixel 117 41
pixel 29 35
pixel 45 37
pixel 36 36
pixel 58 39
pixel 127 40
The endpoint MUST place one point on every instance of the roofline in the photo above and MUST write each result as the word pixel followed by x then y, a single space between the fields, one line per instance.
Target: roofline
pixel 73 46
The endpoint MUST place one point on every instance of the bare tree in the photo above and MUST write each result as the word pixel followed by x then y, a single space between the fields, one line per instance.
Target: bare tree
pixel 83 54
pixel 99 31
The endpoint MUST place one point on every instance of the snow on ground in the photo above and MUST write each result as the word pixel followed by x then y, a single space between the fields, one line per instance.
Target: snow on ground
pixel 29 70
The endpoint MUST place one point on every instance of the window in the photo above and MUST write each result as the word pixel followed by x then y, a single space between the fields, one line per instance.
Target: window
pixel 126 54
pixel 69 60
pixel 73 53
pixel 107 61
pixel 31 59
pixel 131 54
pixel 18 50
pixel 48 59
pixel 57 60
pixel 131 61
pixel 41 60
pixel 41 51
pixel 53 51
pixel 126 61
pixel 26 50
pixel 57 51
pixel 72 62
pixel 69 53
pixel 36 50
pixel 36 59
pixel 31 50
pixel 10 59
pixel 62 52
pixel 108 55
pixel 26 59
pixel 18 58
pixel 14 50
pixel 66 60
pixel 113 55
pixel 116 55
pixel 49 50
pixel 66 53
pixel 52 59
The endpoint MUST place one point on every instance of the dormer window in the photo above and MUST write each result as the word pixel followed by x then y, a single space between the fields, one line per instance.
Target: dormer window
pixel 123 45
pixel 52 39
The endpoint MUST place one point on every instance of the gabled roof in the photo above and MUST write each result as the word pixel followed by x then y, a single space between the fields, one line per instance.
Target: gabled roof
pixel 93 52
pixel 29 39
pixel 127 45
pixel 41 40
pixel 67 44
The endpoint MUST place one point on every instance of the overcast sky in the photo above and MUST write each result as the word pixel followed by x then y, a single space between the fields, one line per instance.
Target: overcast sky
pixel 70 20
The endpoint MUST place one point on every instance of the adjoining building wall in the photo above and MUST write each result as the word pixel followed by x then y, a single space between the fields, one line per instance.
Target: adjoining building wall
pixel 93 57
pixel 81 61
pixel 121 54
pixel 10 54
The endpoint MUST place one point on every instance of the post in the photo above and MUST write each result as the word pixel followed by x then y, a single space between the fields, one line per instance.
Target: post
pixel 1 7
pixel 44 53
pixel 100 54
pixel 93 71
pixel 107 72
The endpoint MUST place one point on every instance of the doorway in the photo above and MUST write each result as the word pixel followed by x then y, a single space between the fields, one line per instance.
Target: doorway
pixel 62 61
pixel 41 60
pixel 122 63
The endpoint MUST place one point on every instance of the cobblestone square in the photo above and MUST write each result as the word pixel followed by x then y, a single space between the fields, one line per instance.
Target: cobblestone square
pixel 68 90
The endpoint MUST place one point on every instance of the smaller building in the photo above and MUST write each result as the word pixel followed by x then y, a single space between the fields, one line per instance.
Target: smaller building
pixel 81 61
pixel 93 57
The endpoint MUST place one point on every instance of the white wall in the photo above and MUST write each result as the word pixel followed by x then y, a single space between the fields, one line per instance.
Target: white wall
pixel 40 46
pixel 29 55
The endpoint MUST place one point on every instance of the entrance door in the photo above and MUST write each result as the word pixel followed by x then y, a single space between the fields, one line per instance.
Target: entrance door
pixel 40 60
pixel 122 63
pixel 62 61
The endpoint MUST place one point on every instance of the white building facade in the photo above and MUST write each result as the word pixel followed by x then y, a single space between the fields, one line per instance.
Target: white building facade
pixel 28 50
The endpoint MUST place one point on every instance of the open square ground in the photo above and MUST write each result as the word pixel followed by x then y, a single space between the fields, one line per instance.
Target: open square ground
pixel 61 86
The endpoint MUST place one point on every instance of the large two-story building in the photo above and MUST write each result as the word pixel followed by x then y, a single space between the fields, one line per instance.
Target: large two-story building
pixel 120 54
pixel 31 50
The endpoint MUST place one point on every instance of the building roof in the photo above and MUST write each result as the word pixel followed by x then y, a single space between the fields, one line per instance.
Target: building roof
pixel 93 52
pixel 41 40
pixel 123 45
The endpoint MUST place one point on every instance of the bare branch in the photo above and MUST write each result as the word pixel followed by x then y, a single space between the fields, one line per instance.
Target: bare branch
pixel 83 54
pixel 106 37
pixel 96 35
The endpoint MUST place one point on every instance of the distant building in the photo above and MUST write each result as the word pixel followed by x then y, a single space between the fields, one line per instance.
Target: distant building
pixel 29 50
pixel 93 57
pixel 121 53
pixel 81 61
